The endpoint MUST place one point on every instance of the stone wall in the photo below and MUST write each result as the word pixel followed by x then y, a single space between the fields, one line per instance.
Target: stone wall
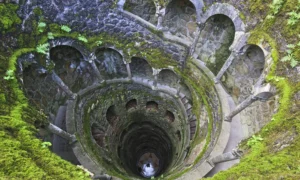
pixel 144 8
pixel 214 42
pixel 180 19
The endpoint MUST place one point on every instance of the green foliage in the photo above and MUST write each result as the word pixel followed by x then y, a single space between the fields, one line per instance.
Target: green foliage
pixel 46 144
pixel 9 17
pixel 276 6
pixel 50 35
pixel 254 140
pixel 82 38
pixel 294 18
pixel 41 26
pixel 290 57
pixel 9 75
pixel 43 48
pixel 65 28
pixel 99 43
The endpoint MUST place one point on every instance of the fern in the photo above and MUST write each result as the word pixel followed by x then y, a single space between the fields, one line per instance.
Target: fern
pixel 41 26
pixel 294 18
pixel 9 75
pixel 50 35
pixel 294 63
pixel 46 144
pixel 82 38
pixel 99 43
pixel 43 48
pixel 65 28
pixel 254 140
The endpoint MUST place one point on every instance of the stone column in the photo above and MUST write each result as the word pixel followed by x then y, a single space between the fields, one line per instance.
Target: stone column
pixel 56 130
pixel 199 30
pixel 155 74
pixel 96 71
pixel 226 65
pixel 61 84
pixel 128 71
pixel 247 102
pixel 229 156
pixel 160 13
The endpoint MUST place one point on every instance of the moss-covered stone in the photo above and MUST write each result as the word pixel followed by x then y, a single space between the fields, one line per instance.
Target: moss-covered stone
pixel 9 18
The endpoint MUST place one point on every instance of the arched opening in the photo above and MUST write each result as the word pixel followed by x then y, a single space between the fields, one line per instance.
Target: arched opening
pixel 40 89
pixel 168 77
pixel 180 19
pixel 145 9
pixel 214 42
pixel 71 68
pixel 170 116
pixel 244 72
pixel 98 135
pixel 111 115
pixel 141 68
pixel 152 105
pixel 131 104
pixel 110 63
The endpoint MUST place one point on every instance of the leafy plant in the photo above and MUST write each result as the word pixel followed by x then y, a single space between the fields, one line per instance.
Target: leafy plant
pixel 46 144
pixel 9 75
pixel 50 35
pixel 41 26
pixel 99 43
pixel 290 57
pixel 276 6
pixel 65 28
pixel 43 48
pixel 254 140
pixel 294 18
pixel 82 38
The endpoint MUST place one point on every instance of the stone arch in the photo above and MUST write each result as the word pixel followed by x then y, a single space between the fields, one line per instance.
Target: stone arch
pixel 40 88
pixel 69 42
pixel 152 105
pixel 71 67
pixel 143 8
pixel 227 10
pixel 110 63
pixel 216 38
pixel 180 19
pixel 168 77
pixel 169 116
pixel 244 72
pixel 140 67
pixel 98 134
pixel 131 104
pixel 111 115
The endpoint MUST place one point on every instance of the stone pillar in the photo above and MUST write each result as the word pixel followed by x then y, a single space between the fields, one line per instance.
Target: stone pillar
pixel 160 13
pixel 96 71
pixel 199 30
pixel 128 71
pixel 120 4
pixel 155 74
pixel 237 48
pixel 226 65
pixel 61 84
pixel 56 130
pixel 229 156
pixel 247 102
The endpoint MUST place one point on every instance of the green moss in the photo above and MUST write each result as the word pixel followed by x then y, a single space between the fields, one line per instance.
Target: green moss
pixel 38 11
pixel 9 17
pixel 242 16
pixel 23 155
